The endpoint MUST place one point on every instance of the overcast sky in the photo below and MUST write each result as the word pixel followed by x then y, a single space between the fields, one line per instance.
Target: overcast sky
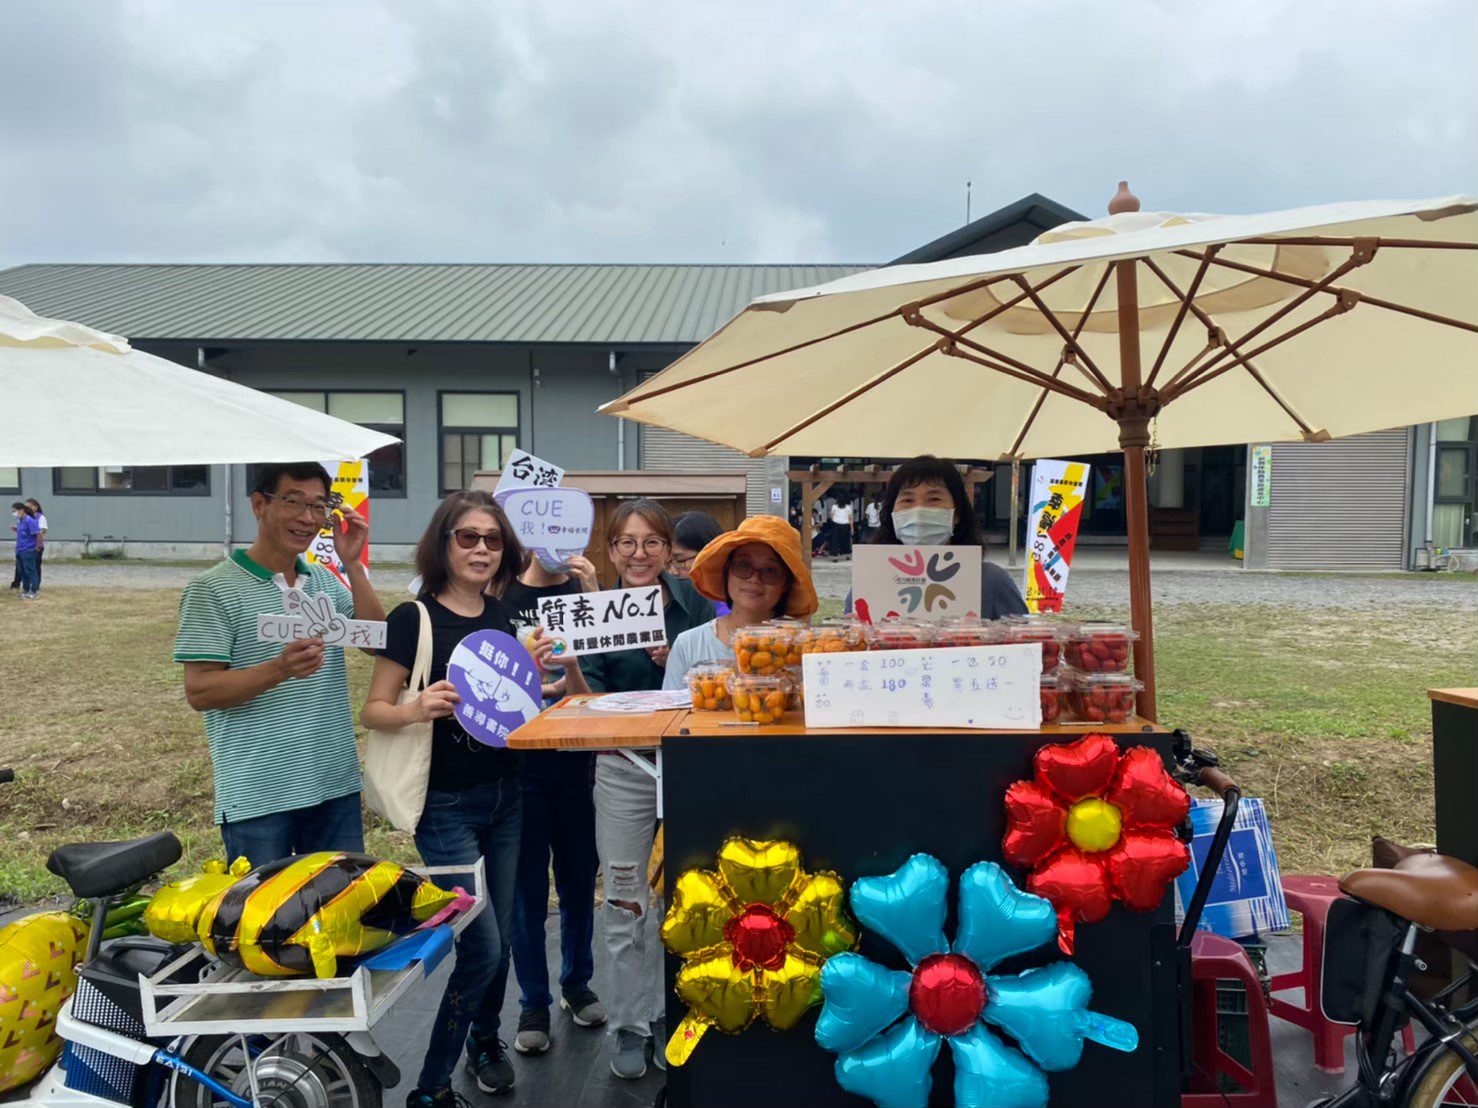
pixel 428 130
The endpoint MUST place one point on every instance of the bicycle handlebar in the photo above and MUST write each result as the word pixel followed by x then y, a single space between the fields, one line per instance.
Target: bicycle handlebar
pixel 1217 780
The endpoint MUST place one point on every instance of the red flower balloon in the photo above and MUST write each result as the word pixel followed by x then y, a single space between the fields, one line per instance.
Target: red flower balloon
pixel 1094 826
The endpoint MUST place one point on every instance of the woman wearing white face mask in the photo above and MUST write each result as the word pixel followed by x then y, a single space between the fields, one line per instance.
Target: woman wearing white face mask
pixel 925 505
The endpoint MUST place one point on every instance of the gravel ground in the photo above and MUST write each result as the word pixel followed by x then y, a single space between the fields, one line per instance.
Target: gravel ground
pixel 1175 581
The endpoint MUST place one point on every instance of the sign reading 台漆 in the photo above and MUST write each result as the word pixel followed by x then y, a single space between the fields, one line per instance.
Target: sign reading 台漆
pixel 526 471
pixel 315 617
pixel 965 686
pixel 351 491
pixel 499 685
pixel 598 622
pixel 553 524
pixel 1052 530
pixel 922 582
pixel 1262 476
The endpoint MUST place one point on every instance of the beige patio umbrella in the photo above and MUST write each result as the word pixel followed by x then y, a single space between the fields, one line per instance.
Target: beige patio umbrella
pixel 1144 328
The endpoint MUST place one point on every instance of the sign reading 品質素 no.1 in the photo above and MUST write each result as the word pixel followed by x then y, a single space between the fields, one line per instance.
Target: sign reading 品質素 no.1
pixel 599 622
pixel 1058 489
pixel 966 686
pixel 921 582
pixel 499 685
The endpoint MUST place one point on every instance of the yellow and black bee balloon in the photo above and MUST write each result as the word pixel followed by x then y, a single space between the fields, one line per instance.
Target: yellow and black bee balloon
pixel 300 915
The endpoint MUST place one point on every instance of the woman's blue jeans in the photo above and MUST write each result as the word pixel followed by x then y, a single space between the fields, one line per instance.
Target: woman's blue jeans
pixel 458 828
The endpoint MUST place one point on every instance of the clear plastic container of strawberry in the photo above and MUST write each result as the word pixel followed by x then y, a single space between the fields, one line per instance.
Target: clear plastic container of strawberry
pixel 1054 698
pixel 1031 629
pixel 1099 647
pixel 965 632
pixel 898 634
pixel 1100 697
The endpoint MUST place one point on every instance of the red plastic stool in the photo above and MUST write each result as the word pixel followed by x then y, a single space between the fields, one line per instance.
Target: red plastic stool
pixel 1311 897
pixel 1213 959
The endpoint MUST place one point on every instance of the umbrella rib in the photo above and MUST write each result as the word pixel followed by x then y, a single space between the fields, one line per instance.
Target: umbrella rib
pixel 1358 257
pixel 1335 290
pixel 1207 373
pixel 762 358
pixel 1326 240
pixel 1031 417
pixel 1186 304
pixel 911 313
pixel 1070 339
pixel 1030 376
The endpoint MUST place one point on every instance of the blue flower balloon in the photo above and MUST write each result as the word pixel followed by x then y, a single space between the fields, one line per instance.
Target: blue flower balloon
pixel 887 1027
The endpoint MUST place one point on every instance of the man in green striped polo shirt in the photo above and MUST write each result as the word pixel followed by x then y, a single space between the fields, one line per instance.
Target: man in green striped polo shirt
pixel 278 719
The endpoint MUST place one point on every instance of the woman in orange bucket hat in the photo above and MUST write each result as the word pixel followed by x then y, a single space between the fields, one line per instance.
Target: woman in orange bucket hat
pixel 756 569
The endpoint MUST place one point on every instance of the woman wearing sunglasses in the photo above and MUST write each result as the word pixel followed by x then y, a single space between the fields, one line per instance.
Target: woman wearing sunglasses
pixel 639 541
pixel 756 569
pixel 472 807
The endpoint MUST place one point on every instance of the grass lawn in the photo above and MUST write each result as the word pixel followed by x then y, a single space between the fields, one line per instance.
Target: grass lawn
pixel 1321 712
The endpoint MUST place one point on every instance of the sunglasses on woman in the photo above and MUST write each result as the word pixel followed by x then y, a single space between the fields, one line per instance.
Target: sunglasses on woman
pixel 468 539
pixel 769 575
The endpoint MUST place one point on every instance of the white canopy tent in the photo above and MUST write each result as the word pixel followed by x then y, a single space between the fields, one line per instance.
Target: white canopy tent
pixel 74 396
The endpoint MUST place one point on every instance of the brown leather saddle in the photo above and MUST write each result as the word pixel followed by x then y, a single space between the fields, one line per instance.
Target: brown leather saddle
pixel 1432 890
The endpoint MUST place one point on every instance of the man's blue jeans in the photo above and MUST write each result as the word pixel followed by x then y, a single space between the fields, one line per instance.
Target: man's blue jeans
pixel 333 825
pixel 458 828
pixel 558 817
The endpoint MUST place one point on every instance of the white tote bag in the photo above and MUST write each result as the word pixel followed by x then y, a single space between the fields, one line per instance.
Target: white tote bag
pixel 397 764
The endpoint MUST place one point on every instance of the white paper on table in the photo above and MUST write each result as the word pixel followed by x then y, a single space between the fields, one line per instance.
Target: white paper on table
pixel 968 686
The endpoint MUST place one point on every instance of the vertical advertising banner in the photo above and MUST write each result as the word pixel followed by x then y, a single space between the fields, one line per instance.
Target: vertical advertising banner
pixel 351 488
pixel 1052 532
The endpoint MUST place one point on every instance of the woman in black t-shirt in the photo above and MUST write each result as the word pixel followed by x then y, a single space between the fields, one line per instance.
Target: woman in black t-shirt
pixel 472 806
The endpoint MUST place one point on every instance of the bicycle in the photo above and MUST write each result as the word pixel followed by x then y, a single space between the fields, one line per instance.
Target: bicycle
pixel 154 1024
pixel 1369 958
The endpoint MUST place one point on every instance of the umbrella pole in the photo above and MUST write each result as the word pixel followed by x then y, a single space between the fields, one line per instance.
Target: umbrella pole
pixel 1133 417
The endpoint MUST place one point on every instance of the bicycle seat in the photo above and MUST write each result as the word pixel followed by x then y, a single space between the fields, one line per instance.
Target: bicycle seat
pixel 104 869
pixel 1432 890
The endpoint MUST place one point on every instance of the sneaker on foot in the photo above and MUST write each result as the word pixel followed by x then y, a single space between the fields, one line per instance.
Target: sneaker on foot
pixel 629 1060
pixel 490 1066
pixel 533 1031
pixel 584 1008
pixel 443 1097
pixel 659 1044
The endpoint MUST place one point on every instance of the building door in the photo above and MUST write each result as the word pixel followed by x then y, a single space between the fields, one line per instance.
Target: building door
pixel 1455 490
pixel 1223 486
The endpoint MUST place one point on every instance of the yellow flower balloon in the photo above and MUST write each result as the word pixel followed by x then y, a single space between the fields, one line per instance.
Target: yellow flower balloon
pixel 753 937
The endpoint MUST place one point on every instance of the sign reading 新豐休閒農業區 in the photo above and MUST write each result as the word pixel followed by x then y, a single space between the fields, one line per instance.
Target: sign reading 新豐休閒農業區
pixel 966 686
pixel 599 622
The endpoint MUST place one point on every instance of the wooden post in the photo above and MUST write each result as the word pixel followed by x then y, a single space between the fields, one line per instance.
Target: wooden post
pixel 1133 437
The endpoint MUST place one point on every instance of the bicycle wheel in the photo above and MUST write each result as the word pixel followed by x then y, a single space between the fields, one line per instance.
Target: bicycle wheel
pixel 295 1071
pixel 1442 1080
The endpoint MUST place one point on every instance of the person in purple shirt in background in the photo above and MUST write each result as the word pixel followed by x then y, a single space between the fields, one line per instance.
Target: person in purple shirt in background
pixel 691 532
pixel 27 535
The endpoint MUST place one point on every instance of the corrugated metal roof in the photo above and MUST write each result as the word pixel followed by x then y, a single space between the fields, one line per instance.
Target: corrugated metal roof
pixel 407 303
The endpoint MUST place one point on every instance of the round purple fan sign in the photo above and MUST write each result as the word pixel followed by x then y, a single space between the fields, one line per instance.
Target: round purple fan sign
pixel 498 683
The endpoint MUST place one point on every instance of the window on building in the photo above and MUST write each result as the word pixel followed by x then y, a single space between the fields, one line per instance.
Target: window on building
pixel 376 411
pixel 1455 488
pixel 10 479
pixel 478 432
pixel 151 480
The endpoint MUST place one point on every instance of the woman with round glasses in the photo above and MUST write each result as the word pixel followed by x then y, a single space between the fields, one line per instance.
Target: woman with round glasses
pixel 756 569
pixel 472 810
pixel 639 541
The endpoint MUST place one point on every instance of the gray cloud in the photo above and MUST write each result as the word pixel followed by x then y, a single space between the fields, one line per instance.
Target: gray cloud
pixel 181 130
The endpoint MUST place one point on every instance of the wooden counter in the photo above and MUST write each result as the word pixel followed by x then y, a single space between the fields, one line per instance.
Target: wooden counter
pixel 724 725
pixel 1463 698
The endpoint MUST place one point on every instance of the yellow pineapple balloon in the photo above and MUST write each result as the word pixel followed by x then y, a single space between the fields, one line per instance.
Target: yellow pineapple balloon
pixel 38 972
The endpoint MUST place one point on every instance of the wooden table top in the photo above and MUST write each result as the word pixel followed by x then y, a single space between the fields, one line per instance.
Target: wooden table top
pixel 573 725
pixel 1464 698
